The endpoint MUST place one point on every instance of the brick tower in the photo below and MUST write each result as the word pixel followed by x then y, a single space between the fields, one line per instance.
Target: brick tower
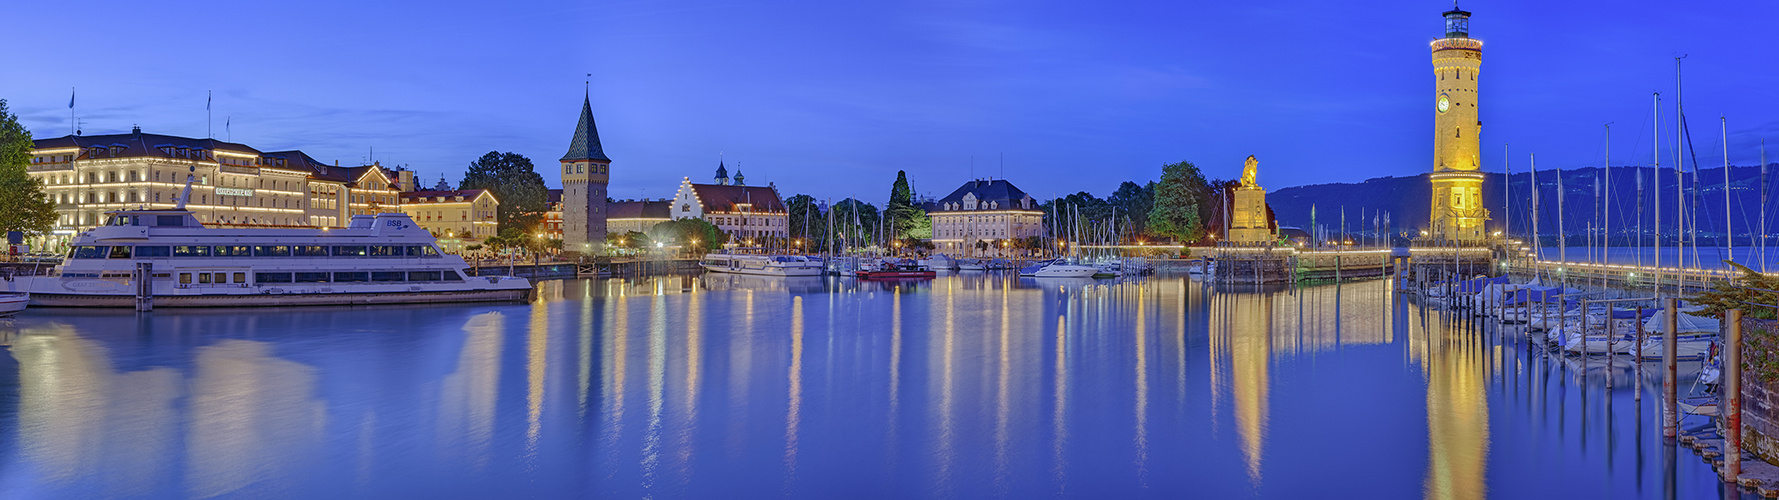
pixel 585 172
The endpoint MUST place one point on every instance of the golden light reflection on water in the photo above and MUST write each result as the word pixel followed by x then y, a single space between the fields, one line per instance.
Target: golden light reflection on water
pixel 1003 388
pixel 252 415
pixel 537 346
pixel 1250 351
pixel 794 408
pixel 1456 368
pixel 694 367
pixel 657 370
pixel 467 395
pixel 892 422
pixel 946 352
pixel 585 353
pixel 1142 384
pixel 77 417
pixel 617 356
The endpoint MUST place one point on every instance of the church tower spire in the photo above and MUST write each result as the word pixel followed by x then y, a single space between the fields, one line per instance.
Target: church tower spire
pixel 585 172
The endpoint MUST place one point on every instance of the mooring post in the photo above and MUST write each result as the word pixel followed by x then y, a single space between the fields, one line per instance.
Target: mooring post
pixel 1670 396
pixel 1732 395
pixel 1584 336
pixel 1639 354
pixel 144 280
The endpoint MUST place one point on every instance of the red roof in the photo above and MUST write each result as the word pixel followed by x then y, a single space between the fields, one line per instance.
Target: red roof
pixel 660 209
pixel 716 198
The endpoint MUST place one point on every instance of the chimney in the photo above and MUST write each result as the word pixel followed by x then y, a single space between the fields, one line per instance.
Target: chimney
pixel 136 130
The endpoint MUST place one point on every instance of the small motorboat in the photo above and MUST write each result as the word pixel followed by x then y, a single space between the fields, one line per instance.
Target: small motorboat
pixel 13 302
pixel 901 270
pixel 971 265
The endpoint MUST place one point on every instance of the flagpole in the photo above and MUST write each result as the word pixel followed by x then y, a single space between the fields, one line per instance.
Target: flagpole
pixel 208 131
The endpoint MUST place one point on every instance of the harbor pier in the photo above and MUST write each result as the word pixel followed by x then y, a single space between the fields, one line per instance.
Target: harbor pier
pixel 1248 265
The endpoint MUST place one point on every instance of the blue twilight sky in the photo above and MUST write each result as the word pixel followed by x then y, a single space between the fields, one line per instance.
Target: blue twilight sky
pixel 831 98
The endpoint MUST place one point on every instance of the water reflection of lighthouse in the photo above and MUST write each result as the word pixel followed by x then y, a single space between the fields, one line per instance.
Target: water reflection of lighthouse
pixel 1456 367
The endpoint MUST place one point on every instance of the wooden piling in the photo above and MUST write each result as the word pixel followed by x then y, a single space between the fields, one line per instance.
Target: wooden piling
pixel 1670 367
pixel 144 281
pixel 1639 361
pixel 1732 396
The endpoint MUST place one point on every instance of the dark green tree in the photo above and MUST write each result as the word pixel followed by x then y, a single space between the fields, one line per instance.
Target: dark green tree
pixel 516 183
pixel 908 220
pixel 692 234
pixel 1134 202
pixel 23 207
pixel 807 221
pixel 1179 201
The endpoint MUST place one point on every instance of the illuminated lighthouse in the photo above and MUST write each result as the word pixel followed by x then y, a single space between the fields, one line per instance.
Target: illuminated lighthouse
pixel 1457 213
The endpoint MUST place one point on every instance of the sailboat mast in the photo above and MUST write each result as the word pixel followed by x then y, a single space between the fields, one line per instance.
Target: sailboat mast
pixel 1729 232
pixel 1679 177
pixel 1763 205
pixel 1562 234
pixel 1537 241
pixel 1657 146
pixel 1606 210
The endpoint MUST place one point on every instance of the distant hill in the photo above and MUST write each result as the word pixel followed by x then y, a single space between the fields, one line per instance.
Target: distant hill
pixel 1406 200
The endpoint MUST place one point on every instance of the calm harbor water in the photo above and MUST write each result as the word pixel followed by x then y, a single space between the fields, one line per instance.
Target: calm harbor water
pixel 725 386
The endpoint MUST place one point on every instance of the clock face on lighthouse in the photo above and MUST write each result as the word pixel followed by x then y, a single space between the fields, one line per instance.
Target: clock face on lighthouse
pixel 1444 103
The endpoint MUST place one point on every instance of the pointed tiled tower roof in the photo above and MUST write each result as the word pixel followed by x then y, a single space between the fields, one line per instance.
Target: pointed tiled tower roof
pixel 585 145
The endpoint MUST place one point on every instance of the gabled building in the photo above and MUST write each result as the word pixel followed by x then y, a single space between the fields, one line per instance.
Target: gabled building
pixel 984 210
pixel 743 212
pixel 458 218
pixel 374 189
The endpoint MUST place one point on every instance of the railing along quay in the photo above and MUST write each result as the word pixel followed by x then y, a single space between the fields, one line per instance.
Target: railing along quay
pixel 1625 275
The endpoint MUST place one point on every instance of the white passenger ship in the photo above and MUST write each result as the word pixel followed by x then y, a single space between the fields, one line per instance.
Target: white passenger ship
pixel 382 259
pixel 763 265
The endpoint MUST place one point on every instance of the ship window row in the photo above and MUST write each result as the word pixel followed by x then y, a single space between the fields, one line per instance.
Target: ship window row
pixel 356 276
pixel 147 251
pixel 217 278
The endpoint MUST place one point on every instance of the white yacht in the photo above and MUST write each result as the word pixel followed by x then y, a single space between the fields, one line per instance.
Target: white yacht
pixel 1059 269
pixel 169 258
pixel 764 265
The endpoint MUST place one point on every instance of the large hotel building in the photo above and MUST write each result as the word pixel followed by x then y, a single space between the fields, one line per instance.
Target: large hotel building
pixel 232 184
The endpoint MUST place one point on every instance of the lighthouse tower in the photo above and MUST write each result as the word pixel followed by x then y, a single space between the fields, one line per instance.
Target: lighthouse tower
pixel 1457 213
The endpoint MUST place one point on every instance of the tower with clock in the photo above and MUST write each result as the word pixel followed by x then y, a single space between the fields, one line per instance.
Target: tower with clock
pixel 1457 213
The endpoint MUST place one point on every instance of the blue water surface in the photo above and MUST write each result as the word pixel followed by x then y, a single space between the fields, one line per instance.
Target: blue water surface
pixel 971 386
